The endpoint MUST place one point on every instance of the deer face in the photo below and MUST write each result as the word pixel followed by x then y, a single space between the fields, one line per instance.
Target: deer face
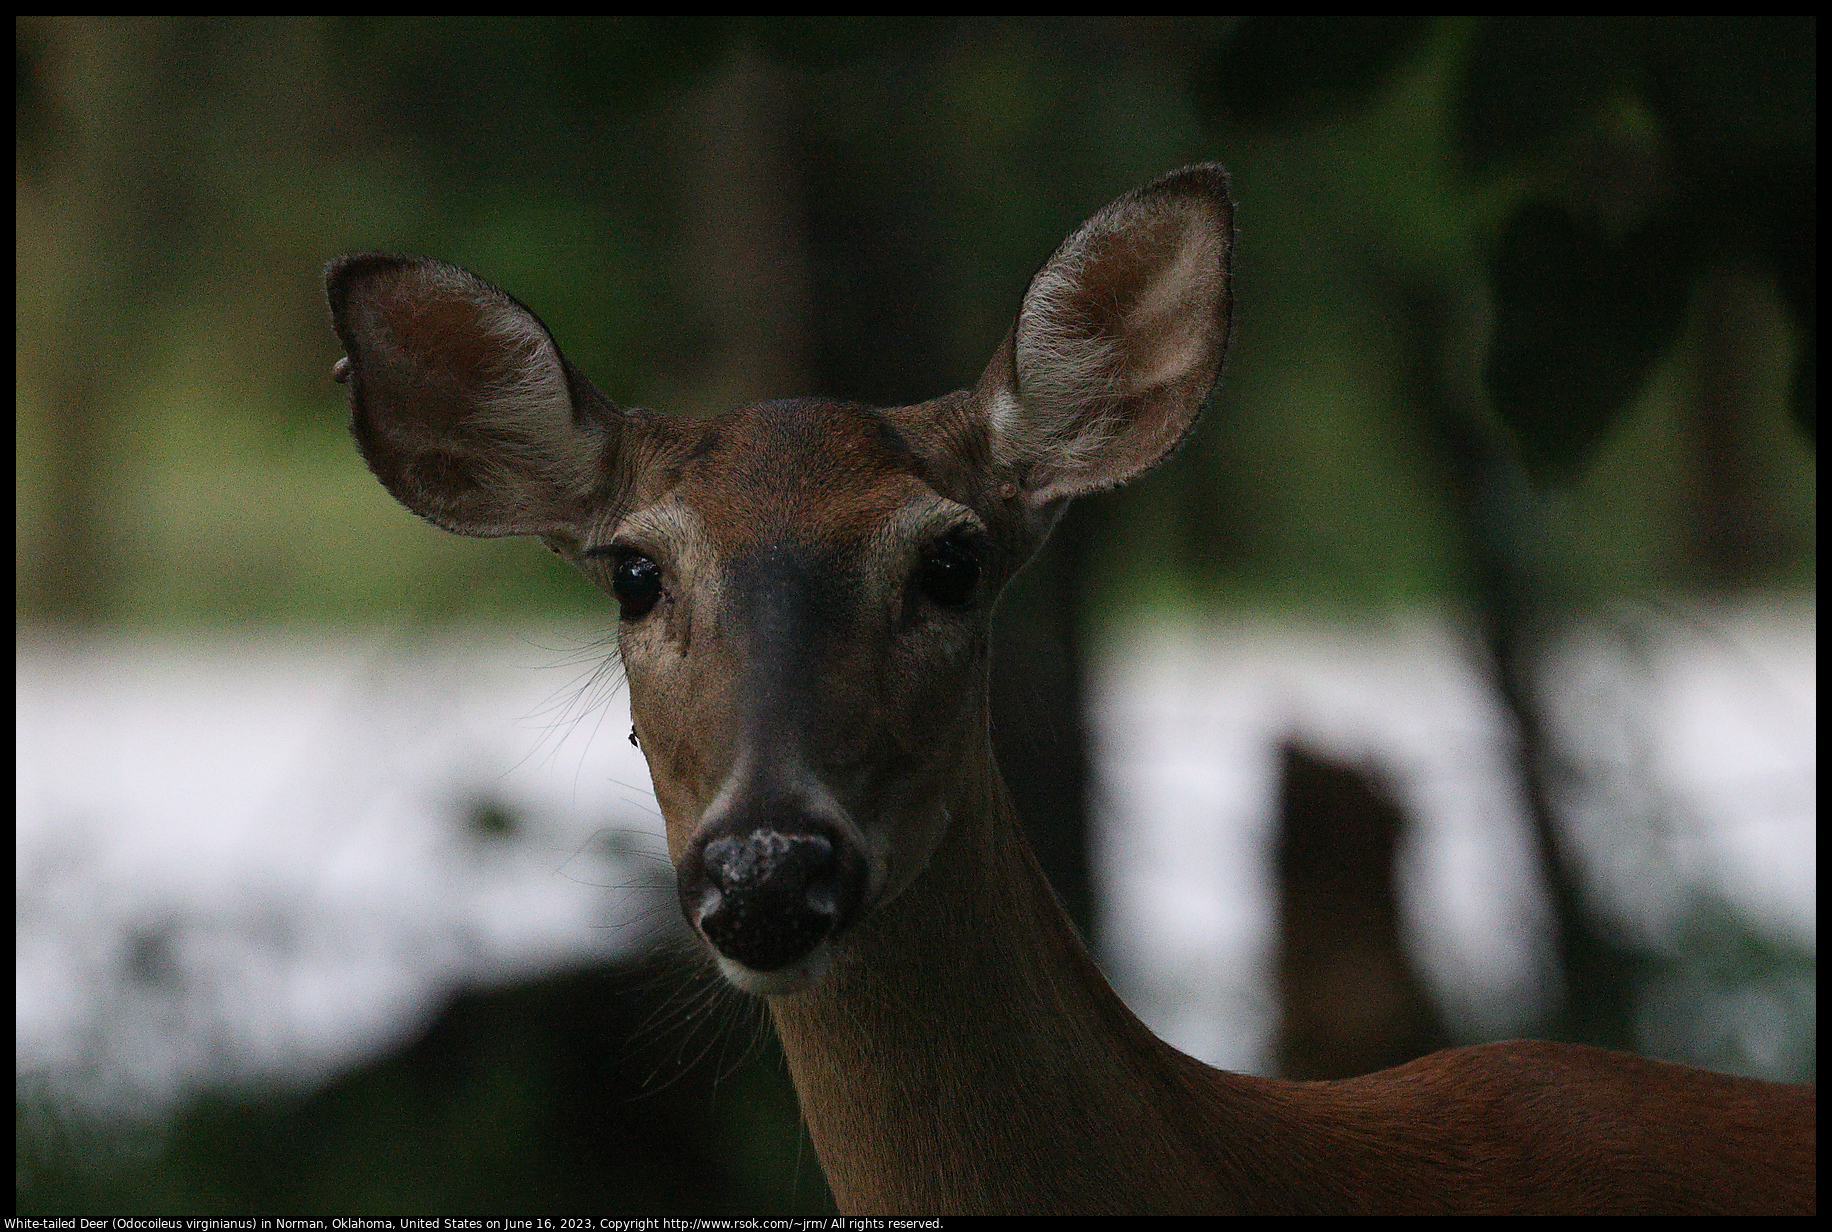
pixel 804 627
pixel 803 587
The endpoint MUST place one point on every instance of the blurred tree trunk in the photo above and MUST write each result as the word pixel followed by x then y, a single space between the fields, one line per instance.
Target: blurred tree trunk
pixel 1039 725
pixel 91 173
pixel 743 248
pixel 125 152
pixel 1516 597
pixel 1350 1002
pixel 1734 538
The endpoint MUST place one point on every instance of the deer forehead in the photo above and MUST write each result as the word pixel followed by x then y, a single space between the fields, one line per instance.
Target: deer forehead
pixel 814 471
pixel 826 483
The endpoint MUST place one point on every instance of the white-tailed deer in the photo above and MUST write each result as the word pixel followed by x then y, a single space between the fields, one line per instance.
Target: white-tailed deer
pixel 805 590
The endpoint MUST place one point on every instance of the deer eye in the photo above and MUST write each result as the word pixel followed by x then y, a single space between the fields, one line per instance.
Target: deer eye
pixel 949 571
pixel 637 582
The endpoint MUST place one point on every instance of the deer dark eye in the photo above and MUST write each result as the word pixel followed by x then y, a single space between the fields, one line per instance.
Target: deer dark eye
pixel 637 582
pixel 949 570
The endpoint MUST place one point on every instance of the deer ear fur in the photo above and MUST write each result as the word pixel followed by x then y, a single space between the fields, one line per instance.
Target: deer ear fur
pixel 1120 338
pixel 460 400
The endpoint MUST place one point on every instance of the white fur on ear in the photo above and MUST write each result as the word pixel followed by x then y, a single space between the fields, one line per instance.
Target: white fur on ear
pixel 527 403
pixel 1119 339
pixel 1066 368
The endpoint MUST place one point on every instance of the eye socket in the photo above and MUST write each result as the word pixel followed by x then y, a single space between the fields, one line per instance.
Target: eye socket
pixel 637 582
pixel 949 571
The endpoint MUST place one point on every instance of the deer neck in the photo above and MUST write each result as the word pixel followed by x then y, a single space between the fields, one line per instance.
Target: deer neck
pixel 965 1054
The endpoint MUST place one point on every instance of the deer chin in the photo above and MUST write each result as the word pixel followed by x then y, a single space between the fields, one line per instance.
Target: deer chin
pixel 799 976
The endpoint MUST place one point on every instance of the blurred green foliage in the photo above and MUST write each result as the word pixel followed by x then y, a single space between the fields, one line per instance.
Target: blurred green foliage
pixel 896 181
pixel 1663 148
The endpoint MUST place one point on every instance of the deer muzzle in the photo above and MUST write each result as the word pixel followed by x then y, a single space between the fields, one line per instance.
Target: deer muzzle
pixel 766 893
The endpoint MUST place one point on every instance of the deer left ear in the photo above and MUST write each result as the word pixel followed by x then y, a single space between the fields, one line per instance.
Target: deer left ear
pixel 461 402
pixel 1119 341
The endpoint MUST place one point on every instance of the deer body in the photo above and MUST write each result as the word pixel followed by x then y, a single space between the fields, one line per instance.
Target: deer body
pixel 805 590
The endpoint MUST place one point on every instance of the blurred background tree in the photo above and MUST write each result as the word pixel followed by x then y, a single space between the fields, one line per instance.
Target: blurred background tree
pixel 1527 321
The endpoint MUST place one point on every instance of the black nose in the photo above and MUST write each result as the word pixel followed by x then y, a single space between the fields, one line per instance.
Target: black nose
pixel 765 895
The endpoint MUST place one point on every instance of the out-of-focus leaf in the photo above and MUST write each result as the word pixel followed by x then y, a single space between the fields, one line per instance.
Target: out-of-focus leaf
pixel 821 43
pixel 1738 96
pixel 34 117
pixel 1532 80
pixel 1579 319
pixel 475 87
pixel 1280 70
pixel 1797 270
pixel 1737 88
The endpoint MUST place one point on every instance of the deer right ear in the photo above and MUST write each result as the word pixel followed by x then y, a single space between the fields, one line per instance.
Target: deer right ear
pixel 460 401
pixel 1119 341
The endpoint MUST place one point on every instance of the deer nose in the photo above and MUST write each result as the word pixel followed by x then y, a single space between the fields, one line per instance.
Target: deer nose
pixel 767 895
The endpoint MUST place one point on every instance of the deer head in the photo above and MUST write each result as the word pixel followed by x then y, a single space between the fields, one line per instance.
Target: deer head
pixel 804 587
